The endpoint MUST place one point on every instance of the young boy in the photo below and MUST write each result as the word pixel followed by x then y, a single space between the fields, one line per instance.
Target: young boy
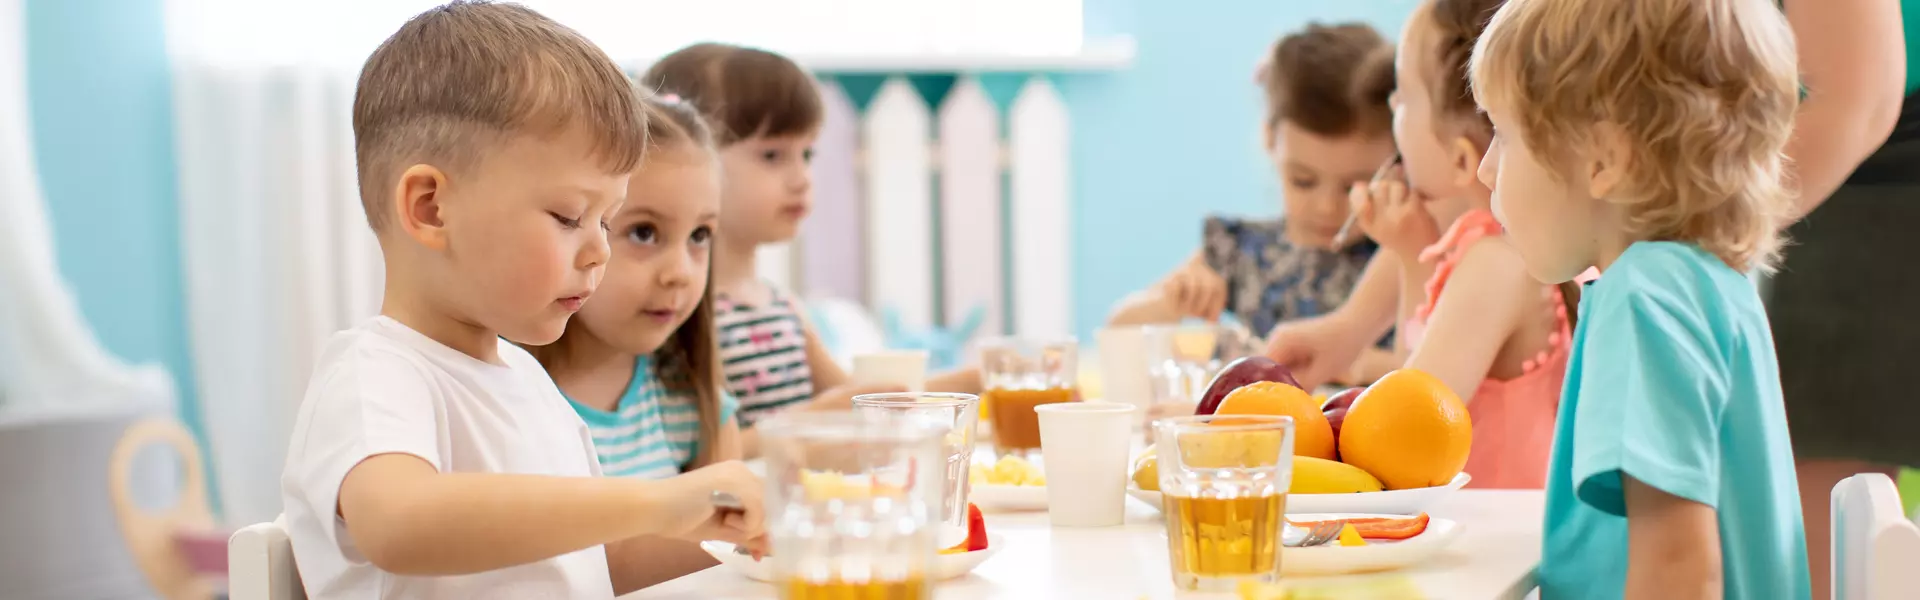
pixel 1644 138
pixel 431 458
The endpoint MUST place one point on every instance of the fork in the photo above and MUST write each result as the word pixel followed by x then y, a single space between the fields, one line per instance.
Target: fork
pixel 1321 533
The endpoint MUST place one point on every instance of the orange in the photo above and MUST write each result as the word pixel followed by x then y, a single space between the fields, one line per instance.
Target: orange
pixel 1408 430
pixel 1312 435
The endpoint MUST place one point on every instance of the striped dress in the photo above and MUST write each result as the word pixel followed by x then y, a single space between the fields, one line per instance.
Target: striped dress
pixel 763 350
pixel 653 432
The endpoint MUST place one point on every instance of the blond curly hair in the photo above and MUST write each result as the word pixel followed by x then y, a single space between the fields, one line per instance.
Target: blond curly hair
pixel 1703 92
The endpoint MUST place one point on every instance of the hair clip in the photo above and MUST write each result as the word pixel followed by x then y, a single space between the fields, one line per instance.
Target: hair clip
pixel 670 98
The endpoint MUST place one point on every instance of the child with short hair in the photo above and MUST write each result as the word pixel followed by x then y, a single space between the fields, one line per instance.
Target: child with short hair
pixel 1645 138
pixel 639 363
pixel 1327 127
pixel 765 113
pixel 431 458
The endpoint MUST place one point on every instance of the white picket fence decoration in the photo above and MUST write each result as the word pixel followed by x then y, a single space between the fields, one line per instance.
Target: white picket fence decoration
pixel 873 233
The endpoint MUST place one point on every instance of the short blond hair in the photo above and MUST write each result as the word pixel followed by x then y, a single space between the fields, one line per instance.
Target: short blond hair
pixel 1703 92
pixel 464 77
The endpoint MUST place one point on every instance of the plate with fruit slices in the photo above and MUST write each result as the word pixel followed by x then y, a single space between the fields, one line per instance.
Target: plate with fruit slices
pixel 1368 543
pixel 1352 452
pixel 949 563
pixel 1011 484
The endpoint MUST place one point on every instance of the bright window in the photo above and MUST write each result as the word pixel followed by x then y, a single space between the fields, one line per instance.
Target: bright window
pixel 345 31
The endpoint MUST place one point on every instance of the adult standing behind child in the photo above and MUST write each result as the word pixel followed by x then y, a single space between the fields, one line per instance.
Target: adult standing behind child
pixel 1644 138
pixel 431 458
pixel 765 113
pixel 639 363
pixel 1326 128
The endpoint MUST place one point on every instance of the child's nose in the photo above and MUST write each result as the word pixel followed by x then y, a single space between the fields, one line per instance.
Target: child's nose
pixel 596 251
pixel 677 271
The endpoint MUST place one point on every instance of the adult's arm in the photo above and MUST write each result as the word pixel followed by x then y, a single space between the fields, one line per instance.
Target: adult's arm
pixel 1853 60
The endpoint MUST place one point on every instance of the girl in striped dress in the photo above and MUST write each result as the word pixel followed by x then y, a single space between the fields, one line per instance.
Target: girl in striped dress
pixel 766 113
pixel 639 362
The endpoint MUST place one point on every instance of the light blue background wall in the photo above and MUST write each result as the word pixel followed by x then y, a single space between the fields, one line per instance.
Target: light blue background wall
pixel 102 111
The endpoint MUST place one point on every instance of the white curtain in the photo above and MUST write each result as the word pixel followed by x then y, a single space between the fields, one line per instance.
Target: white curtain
pixel 278 254
pixel 50 361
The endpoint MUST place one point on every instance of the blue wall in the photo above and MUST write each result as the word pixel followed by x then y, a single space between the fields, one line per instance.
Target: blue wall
pixel 102 110
pixel 1158 147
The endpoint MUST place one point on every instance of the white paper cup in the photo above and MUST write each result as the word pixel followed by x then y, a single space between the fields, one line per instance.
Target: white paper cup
pixel 905 368
pixel 1123 365
pixel 1085 445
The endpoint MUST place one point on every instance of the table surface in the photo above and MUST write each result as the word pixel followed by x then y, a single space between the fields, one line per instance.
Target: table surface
pixel 1494 556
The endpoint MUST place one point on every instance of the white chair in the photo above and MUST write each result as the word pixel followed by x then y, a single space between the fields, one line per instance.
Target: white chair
pixel 1876 550
pixel 260 564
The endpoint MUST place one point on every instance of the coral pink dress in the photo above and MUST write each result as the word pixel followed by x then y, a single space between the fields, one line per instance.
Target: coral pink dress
pixel 1512 419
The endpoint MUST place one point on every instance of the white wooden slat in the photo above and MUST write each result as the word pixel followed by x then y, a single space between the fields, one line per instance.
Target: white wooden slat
pixel 899 204
pixel 970 205
pixel 1042 234
pixel 831 240
pixel 774 263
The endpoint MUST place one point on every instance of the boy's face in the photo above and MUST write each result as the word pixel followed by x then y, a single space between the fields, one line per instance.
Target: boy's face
pixel 768 188
pixel 1315 174
pixel 662 242
pixel 524 238
pixel 1549 221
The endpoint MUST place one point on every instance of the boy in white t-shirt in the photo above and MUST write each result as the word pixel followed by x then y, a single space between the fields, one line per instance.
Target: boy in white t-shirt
pixel 431 458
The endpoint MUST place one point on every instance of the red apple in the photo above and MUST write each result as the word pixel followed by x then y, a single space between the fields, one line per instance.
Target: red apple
pixel 1240 372
pixel 1337 405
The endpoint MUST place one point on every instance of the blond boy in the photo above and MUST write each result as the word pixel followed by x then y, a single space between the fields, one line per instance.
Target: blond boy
pixel 431 457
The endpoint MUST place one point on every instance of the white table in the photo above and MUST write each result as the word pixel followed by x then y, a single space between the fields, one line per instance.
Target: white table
pixel 1493 558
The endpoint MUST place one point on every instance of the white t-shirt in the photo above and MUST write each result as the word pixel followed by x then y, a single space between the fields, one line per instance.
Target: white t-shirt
pixel 383 388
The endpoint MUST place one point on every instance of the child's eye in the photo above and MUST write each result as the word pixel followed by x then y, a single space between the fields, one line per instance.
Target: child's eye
pixel 643 234
pixel 807 155
pixel 770 155
pixel 565 222
pixel 1302 183
pixel 701 236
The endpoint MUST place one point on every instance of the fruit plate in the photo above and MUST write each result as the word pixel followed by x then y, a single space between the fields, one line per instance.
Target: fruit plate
pixel 1009 498
pixel 945 566
pixel 1395 502
pixel 1391 502
pixel 1377 555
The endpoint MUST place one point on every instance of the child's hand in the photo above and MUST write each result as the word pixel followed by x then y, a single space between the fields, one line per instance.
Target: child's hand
pixel 841 397
pixel 691 515
pixel 1317 350
pixel 1196 290
pixel 1395 218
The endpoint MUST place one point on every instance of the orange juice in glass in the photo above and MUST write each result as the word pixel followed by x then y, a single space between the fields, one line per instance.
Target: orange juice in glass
pixel 853 503
pixel 1223 485
pixel 1019 374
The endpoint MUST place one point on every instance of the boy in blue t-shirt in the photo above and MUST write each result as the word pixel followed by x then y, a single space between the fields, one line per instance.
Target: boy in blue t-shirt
pixel 1645 138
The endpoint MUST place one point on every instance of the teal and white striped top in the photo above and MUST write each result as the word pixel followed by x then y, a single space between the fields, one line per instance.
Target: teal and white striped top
pixel 652 432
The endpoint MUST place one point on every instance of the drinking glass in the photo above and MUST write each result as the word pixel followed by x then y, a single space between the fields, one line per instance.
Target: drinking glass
pixel 1223 485
pixel 852 504
pixel 953 414
pixel 1182 359
pixel 1019 374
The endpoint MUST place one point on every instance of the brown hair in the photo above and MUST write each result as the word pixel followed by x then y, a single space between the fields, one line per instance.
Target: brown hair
pixel 1457 25
pixel 689 361
pixel 1332 80
pixel 468 75
pixel 1701 92
pixel 743 92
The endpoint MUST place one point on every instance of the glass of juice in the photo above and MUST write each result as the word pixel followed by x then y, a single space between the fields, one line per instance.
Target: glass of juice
pixel 853 503
pixel 956 415
pixel 1223 484
pixel 1018 374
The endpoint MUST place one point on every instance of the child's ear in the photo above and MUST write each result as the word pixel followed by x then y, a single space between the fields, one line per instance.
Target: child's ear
pixel 1608 161
pixel 1467 156
pixel 417 205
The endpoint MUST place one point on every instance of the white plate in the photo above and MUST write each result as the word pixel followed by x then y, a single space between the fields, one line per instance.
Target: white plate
pixel 945 566
pixel 1395 502
pixel 1009 497
pixel 1377 555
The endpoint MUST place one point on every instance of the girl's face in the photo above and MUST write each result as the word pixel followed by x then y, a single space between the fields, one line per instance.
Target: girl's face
pixel 661 244
pixel 769 188
pixel 1315 173
pixel 1549 221
pixel 1440 168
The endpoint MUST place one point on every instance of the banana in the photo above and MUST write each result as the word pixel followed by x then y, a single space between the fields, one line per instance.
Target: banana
pixel 1320 476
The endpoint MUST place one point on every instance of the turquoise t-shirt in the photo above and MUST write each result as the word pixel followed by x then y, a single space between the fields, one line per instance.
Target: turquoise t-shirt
pixel 653 432
pixel 1672 381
